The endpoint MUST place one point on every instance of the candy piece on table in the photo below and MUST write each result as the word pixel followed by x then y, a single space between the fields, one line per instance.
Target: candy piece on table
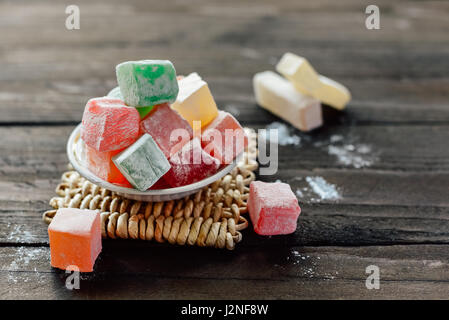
pixel 168 129
pixel 277 95
pixel 100 164
pixel 307 81
pixel 195 101
pixel 273 208
pixel 108 124
pixel 143 163
pixel 190 164
pixel 143 111
pixel 147 82
pixel 332 93
pixel 299 71
pixel 75 239
pixel 224 138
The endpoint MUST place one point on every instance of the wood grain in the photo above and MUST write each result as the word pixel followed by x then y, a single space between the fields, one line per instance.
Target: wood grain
pixel 293 273
pixel 392 213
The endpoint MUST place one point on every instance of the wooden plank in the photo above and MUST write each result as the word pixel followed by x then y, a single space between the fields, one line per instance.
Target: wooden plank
pixel 260 273
pixel 38 152
pixel 391 81
pixel 319 224
pixel 397 76
pixel 400 199
pixel 227 44
pixel 249 22
pixel 375 101
pixel 392 61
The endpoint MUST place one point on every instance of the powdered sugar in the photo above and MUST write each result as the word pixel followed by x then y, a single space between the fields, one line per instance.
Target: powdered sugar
pixel 321 187
pixel 317 190
pixel 309 265
pixel 17 234
pixel 357 156
pixel 348 151
pixel 21 260
pixel 285 134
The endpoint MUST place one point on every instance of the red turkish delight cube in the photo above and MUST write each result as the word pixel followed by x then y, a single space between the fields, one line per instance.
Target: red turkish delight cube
pixel 109 124
pixel 168 129
pixel 190 164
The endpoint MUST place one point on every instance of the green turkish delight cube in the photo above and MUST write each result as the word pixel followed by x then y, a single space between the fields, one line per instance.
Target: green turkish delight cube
pixel 147 82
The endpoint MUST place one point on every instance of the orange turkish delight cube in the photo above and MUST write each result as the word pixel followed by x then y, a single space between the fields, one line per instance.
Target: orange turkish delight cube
pixel 100 164
pixel 75 239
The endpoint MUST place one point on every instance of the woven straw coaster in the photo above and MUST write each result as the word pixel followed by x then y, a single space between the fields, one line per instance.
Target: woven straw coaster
pixel 211 217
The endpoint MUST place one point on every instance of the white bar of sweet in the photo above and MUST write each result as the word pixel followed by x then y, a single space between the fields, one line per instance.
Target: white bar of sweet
pixel 143 163
pixel 278 95
pixel 307 81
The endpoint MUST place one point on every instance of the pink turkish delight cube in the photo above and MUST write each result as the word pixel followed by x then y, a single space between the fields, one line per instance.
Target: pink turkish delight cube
pixel 273 208
pixel 190 164
pixel 168 129
pixel 109 124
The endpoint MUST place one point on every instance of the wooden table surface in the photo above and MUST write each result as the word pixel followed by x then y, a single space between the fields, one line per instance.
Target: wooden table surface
pixel 393 210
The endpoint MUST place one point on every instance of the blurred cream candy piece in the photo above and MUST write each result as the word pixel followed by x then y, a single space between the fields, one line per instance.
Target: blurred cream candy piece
pixel 332 93
pixel 307 81
pixel 299 71
pixel 279 96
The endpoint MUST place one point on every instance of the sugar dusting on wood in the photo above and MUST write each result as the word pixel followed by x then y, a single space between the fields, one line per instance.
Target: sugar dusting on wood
pixel 317 190
pixel 23 259
pixel 17 234
pixel 357 155
pixel 286 136
pixel 347 150
pixel 309 265
pixel 324 189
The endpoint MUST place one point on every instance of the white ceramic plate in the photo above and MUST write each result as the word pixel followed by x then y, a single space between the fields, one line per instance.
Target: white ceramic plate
pixel 73 152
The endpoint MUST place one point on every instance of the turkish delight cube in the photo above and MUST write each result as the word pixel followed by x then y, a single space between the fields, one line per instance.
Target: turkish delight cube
pixel 143 163
pixel 108 124
pixel 273 208
pixel 224 138
pixel 75 239
pixel 190 164
pixel 168 129
pixel 147 82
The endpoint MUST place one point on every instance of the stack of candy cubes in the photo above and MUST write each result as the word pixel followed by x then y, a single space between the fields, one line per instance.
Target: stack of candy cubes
pixel 156 130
